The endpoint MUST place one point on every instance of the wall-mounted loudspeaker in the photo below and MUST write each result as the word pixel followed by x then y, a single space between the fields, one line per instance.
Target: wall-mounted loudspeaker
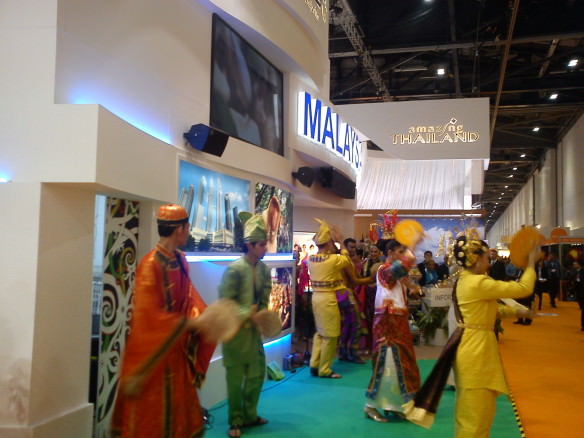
pixel 206 139
pixel 305 175
pixel 330 178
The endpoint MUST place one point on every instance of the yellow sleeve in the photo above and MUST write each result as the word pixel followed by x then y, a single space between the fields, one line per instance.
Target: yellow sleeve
pixel 504 311
pixel 343 261
pixel 489 288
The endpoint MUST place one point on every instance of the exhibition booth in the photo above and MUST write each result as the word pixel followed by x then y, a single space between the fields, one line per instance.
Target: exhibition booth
pixel 118 109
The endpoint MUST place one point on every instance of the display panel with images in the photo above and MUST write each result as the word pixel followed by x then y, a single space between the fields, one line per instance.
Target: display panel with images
pixel 213 201
pixel 282 294
pixel 246 91
pixel 441 233
pixel 275 205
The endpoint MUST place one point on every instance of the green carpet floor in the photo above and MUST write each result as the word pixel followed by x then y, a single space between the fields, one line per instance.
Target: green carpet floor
pixel 302 406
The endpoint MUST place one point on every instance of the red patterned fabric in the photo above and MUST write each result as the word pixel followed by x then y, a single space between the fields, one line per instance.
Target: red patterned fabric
pixel 394 329
pixel 166 361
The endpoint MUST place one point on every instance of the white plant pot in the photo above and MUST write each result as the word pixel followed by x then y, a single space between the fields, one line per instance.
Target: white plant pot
pixel 439 339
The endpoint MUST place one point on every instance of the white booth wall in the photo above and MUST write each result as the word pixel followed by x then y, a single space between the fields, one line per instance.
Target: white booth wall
pixel 95 99
pixel 553 196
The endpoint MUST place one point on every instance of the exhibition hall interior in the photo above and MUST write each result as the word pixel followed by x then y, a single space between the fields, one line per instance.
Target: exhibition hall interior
pixel 291 218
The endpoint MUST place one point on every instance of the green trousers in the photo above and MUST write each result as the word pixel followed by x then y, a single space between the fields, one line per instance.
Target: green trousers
pixel 244 385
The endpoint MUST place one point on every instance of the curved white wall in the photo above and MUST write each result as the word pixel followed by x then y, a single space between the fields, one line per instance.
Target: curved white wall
pixel 554 196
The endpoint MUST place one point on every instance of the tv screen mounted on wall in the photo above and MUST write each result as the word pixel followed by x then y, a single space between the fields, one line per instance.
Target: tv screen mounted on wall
pixel 246 91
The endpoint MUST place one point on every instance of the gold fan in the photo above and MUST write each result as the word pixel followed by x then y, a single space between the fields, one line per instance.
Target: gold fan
pixel 409 232
pixel 522 244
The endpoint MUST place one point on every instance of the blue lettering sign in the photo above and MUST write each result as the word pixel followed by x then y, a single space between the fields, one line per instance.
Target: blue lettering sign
pixel 319 124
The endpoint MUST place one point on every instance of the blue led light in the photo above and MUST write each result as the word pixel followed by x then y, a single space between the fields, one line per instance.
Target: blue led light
pixel 132 117
pixel 283 339
pixel 232 257
pixel 212 258
pixel 278 257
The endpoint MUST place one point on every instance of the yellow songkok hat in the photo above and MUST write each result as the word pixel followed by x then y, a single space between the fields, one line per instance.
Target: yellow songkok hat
pixel 323 235
pixel 254 227
pixel 172 214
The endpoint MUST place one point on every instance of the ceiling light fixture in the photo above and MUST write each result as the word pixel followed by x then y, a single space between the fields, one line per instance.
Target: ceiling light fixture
pixel 510 176
pixel 573 62
pixel 506 187
pixel 553 96
pixel 522 155
pixel 515 168
pixel 536 129
pixel 440 71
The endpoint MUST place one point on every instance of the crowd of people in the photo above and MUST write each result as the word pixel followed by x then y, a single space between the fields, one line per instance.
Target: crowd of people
pixel 381 286
pixel 359 309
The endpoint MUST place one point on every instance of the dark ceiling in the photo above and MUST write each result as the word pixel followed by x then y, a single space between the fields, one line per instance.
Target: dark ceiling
pixel 516 53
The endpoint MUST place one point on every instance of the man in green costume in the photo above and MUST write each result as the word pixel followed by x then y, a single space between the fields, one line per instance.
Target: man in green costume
pixel 246 281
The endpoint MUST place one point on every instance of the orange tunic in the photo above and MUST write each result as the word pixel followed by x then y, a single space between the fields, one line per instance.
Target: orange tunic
pixel 167 362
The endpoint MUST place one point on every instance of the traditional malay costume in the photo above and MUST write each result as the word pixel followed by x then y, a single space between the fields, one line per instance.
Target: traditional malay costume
pixel 244 359
pixel 326 276
pixel 163 363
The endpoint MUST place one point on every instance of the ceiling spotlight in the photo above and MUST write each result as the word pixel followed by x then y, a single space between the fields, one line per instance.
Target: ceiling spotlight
pixel 506 187
pixel 502 193
pixel 500 198
pixel 553 96
pixel 440 71
pixel 536 129
pixel 515 168
pixel 573 62
pixel 522 155
pixel 496 203
pixel 510 176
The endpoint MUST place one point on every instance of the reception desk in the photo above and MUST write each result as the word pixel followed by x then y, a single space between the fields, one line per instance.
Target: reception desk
pixel 437 300
pixel 437 296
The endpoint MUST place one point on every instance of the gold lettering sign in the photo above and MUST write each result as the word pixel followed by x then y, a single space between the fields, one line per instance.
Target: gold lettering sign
pixel 450 132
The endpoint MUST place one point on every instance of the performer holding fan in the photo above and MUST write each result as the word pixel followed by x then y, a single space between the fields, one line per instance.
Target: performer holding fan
pixel 395 378
pixel 472 348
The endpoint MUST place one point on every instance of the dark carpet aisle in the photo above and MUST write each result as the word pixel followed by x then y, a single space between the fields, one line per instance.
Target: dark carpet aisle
pixel 544 363
pixel 302 406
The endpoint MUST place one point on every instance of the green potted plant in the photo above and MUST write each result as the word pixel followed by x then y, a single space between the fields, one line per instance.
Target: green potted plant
pixel 431 320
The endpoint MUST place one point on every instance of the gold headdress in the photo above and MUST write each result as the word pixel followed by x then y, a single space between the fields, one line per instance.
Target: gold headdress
pixel 467 251
pixel 323 235
pixel 384 228
pixel 254 227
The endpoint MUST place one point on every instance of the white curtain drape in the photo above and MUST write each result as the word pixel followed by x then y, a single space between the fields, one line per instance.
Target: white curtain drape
pixel 412 185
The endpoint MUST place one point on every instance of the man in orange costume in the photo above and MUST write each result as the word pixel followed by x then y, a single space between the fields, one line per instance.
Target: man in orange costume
pixel 165 361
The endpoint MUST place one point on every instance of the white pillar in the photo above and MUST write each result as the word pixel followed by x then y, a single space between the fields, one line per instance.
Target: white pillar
pixel 45 290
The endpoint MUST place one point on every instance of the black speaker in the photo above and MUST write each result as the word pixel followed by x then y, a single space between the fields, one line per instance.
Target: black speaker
pixel 305 175
pixel 330 178
pixel 206 139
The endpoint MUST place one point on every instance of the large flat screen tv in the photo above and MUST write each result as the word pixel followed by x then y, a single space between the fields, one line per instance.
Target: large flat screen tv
pixel 246 91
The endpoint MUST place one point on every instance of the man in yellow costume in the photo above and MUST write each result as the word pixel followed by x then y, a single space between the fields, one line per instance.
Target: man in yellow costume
pixel 326 274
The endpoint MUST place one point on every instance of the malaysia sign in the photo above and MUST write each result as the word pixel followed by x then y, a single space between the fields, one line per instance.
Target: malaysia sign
pixel 321 125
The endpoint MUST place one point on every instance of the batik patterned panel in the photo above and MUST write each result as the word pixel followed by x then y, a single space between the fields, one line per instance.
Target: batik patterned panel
pixel 121 234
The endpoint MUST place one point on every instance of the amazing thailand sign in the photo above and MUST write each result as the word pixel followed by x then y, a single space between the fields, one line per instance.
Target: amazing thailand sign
pixel 425 130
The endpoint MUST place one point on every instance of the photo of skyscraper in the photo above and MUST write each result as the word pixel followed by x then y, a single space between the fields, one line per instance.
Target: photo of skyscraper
pixel 213 201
